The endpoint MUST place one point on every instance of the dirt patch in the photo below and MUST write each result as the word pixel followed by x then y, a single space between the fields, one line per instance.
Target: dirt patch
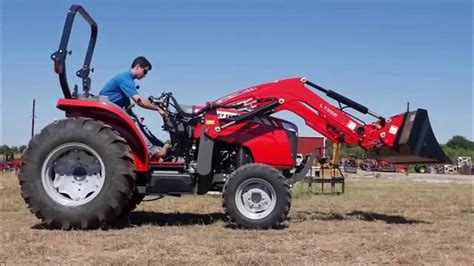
pixel 375 221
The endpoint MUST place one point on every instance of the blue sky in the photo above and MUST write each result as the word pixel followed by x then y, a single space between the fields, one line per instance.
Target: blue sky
pixel 381 53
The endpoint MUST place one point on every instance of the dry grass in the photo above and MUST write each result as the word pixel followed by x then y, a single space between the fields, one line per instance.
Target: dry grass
pixel 376 221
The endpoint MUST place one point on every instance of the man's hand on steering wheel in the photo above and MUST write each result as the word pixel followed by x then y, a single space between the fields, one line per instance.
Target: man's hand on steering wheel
pixel 163 113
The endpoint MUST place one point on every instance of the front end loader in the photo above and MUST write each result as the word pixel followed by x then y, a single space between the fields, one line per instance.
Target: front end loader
pixel 92 167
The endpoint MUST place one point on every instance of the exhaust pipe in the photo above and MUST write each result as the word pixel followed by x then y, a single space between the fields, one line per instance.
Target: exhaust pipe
pixel 414 144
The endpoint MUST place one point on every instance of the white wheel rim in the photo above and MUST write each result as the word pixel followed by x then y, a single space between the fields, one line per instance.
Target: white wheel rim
pixel 73 174
pixel 255 198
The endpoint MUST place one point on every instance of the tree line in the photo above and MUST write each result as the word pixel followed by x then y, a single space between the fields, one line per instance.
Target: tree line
pixel 5 149
pixel 455 147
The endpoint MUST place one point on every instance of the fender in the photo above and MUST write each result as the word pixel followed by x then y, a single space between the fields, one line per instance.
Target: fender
pixel 114 116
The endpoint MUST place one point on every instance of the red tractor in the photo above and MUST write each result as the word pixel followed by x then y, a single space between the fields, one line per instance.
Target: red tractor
pixel 86 170
pixel 378 166
pixel 9 163
pixel 384 166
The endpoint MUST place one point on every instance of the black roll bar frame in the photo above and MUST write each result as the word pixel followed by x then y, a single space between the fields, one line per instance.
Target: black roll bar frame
pixel 59 57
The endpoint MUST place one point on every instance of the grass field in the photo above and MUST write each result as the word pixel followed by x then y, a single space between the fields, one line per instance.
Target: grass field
pixel 375 221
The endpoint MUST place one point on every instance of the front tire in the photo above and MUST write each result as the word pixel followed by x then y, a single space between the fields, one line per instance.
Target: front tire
pixel 257 196
pixel 77 173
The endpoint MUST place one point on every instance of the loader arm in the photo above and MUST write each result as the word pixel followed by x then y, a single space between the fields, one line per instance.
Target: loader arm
pixel 404 138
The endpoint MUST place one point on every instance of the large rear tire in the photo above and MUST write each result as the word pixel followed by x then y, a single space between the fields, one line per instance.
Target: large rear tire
pixel 137 197
pixel 77 173
pixel 257 196
pixel 133 203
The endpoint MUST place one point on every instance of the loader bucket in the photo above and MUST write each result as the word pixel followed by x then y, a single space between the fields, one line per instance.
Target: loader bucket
pixel 414 144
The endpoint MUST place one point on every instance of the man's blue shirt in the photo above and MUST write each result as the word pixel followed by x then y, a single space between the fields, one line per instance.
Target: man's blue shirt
pixel 120 88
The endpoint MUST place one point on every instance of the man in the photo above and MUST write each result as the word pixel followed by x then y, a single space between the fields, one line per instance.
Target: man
pixel 122 87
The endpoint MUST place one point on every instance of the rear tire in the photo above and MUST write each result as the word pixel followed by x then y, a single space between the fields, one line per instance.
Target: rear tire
pixel 52 191
pixel 257 196
pixel 137 197
pixel 135 200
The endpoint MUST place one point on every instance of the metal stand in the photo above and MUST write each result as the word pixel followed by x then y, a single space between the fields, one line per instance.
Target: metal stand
pixel 334 177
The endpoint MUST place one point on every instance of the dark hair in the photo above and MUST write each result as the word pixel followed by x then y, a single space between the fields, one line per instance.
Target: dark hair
pixel 141 61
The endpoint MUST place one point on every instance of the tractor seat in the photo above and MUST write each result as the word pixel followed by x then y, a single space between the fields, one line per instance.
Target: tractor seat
pixel 188 109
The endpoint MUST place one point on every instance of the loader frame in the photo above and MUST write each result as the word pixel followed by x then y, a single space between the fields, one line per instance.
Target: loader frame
pixel 383 136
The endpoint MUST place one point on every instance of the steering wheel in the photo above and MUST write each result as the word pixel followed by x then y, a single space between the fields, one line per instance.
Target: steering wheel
pixel 163 101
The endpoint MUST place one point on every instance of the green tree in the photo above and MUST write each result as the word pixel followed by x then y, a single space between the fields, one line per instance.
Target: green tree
pixel 460 142
pixel 458 146
pixel 4 149
pixel 328 145
pixel 22 148
pixel 14 149
pixel 454 153
pixel 346 150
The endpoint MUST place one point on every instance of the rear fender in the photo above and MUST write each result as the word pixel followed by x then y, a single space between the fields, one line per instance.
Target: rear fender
pixel 114 116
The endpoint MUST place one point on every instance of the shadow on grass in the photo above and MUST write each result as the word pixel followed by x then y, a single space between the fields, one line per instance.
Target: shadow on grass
pixel 139 218
pixel 313 216
pixel 357 215
pixel 389 219
pixel 175 219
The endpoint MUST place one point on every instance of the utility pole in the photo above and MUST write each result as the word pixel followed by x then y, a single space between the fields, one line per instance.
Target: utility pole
pixel 33 120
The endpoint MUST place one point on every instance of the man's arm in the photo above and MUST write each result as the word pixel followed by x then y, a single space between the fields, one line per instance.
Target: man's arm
pixel 130 91
pixel 144 103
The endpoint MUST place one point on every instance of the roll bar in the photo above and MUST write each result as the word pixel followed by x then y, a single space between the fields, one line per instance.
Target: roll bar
pixel 59 57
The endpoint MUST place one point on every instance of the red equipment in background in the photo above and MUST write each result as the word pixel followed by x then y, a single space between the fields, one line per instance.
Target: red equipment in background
pixel 311 144
pixel 377 165
pixel 9 163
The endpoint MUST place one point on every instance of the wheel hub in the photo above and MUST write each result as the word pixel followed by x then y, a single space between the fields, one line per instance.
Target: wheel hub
pixel 73 174
pixel 255 198
pixel 79 173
